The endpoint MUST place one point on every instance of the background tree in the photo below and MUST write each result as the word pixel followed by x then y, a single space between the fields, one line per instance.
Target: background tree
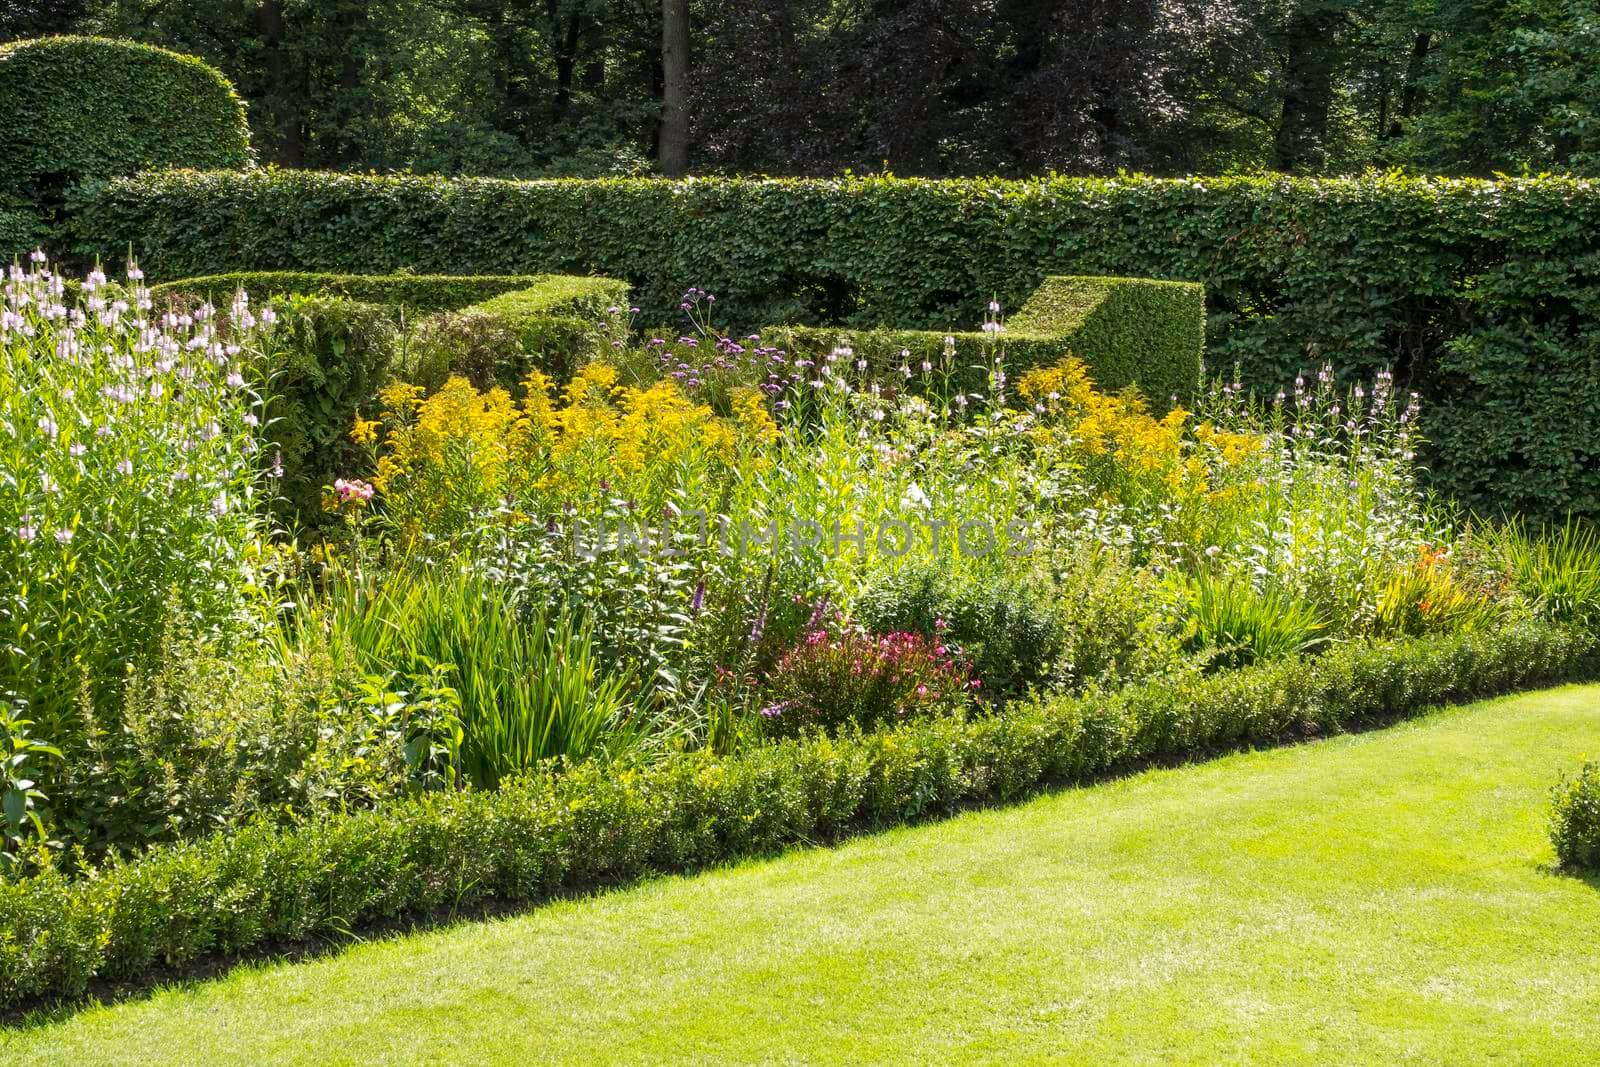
pixel 932 87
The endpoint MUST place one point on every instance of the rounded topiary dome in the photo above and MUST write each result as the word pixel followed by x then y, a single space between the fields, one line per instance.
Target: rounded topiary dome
pixel 88 107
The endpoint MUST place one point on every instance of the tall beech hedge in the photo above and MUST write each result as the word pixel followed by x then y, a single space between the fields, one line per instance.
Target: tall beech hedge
pixel 90 107
pixel 592 826
pixel 1484 295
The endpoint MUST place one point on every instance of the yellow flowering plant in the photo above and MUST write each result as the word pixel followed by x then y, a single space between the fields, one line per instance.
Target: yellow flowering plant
pixel 447 461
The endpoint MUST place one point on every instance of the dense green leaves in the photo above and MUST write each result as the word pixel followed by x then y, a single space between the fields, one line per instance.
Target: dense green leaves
pixel 84 107
pixel 1128 331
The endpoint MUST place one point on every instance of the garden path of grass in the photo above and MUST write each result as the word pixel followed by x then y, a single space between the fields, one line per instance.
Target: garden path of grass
pixel 1383 898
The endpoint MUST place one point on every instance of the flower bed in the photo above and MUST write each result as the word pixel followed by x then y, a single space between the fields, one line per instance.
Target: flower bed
pixel 586 828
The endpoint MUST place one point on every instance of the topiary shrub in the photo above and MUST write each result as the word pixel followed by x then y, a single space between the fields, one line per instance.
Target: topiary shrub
pixel 1128 331
pixel 1575 819
pixel 88 107
pixel 345 335
pixel 420 293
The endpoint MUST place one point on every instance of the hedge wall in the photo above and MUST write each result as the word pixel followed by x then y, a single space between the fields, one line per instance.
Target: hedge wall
pixel 1129 331
pixel 1484 295
pixel 547 293
pixel 591 826
pixel 22 229
pixel 88 107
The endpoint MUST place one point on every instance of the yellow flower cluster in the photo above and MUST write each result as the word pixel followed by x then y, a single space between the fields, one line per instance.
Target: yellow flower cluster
pixel 1130 456
pixel 445 458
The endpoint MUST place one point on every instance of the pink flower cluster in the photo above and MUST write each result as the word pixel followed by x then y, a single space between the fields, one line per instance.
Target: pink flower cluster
pixel 351 490
pixel 840 673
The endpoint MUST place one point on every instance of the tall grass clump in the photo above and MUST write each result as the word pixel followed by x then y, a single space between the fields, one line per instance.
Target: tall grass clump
pixel 1558 571
pixel 131 469
pixel 529 683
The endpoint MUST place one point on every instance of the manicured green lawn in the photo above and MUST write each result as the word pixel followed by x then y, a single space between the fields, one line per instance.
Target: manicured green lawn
pixel 1378 898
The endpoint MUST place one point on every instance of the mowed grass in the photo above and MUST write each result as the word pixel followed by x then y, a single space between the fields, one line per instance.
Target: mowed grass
pixel 1378 898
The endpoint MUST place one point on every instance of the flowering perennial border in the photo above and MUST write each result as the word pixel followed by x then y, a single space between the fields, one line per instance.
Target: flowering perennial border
pixel 589 826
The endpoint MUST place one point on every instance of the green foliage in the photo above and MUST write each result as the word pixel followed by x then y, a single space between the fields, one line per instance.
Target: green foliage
pixel 589 826
pixel 1475 291
pixel 839 676
pixel 87 107
pixel 1557 570
pixel 417 293
pixel 132 473
pixel 553 325
pixel 1128 331
pixel 22 228
pixel 209 737
pixel 21 759
pixel 1575 819
pixel 1236 625
pixel 331 355
pixel 1090 620
pixel 529 684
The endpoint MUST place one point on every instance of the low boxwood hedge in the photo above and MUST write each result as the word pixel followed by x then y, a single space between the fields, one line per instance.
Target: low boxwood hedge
pixel 1129 331
pixel 590 826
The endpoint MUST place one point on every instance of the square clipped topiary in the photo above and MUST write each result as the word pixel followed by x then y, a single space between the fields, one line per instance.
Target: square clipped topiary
pixel 1127 331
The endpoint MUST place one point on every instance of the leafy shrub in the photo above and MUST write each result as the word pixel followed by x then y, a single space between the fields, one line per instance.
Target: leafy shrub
pixel 839 674
pixel 1463 281
pixel 1091 619
pixel 133 472
pixel 206 738
pixel 1575 819
pixel 330 357
pixel 588 827
pixel 82 107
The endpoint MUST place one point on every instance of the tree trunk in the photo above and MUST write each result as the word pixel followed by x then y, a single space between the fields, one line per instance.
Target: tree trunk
pixel 283 121
pixel 1411 92
pixel 1301 144
pixel 674 143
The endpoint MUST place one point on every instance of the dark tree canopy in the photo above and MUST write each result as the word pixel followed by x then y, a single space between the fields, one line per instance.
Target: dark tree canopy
pixel 926 87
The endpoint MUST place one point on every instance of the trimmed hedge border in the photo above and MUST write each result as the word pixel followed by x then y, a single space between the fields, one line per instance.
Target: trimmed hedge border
pixel 1484 295
pixel 1128 331
pixel 589 827
pixel 545 293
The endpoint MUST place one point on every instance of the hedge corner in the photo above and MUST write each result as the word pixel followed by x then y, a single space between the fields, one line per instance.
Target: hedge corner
pixel 1128 331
